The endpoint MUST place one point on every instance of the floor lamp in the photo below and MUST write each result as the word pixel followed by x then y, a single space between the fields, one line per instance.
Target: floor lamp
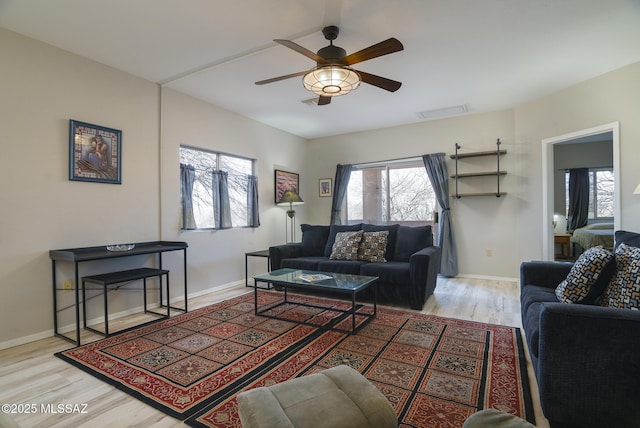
pixel 290 198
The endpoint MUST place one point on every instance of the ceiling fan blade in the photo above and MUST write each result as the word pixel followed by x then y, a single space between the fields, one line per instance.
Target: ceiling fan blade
pixel 323 101
pixel 302 50
pixel 276 79
pixel 380 82
pixel 383 48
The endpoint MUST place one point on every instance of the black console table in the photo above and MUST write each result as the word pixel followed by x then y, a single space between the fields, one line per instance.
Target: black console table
pixel 122 278
pixel 87 254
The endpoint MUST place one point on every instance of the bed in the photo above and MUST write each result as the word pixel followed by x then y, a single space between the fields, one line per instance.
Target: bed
pixel 592 236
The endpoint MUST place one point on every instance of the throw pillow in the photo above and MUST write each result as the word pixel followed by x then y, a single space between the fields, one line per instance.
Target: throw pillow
pixel 588 278
pixel 624 290
pixel 391 238
pixel 373 247
pixel 346 245
pixel 334 230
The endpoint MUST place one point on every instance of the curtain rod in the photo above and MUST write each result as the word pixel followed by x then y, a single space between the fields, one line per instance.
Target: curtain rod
pixel 381 162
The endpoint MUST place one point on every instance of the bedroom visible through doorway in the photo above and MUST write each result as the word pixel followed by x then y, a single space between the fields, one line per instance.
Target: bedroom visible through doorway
pixel 592 157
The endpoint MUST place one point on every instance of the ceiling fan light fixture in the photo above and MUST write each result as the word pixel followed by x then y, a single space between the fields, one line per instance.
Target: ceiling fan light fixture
pixel 331 80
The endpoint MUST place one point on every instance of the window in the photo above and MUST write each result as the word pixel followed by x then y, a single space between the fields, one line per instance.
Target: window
pixel 601 191
pixel 222 190
pixel 390 193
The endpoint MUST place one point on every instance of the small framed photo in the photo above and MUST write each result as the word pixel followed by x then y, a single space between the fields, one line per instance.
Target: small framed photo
pixel 94 153
pixel 324 187
pixel 286 181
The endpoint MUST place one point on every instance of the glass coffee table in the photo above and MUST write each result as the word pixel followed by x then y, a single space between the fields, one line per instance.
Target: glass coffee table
pixel 312 281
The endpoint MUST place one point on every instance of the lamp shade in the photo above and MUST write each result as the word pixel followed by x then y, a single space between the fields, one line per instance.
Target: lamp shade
pixel 637 191
pixel 331 80
pixel 290 197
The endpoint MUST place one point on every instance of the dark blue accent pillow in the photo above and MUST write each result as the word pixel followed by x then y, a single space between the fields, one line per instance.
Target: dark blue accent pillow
pixel 334 230
pixel 631 239
pixel 411 240
pixel 391 238
pixel 314 239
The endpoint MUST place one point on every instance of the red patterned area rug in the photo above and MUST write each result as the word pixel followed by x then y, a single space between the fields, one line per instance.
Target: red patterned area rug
pixel 435 371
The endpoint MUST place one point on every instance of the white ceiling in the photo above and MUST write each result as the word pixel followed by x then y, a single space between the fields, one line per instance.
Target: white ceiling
pixel 486 54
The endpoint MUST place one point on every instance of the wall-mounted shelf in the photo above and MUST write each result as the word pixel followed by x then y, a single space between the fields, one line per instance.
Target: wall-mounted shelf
pixel 476 154
pixel 497 173
pixel 479 174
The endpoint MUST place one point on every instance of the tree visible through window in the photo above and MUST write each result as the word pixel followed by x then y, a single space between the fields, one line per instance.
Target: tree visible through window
pixel 239 170
pixel 390 194
pixel 601 193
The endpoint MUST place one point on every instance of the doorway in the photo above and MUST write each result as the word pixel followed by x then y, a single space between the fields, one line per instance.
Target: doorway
pixel 549 173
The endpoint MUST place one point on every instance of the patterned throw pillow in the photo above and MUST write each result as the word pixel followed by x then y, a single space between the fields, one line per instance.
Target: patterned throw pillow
pixel 588 277
pixel 373 246
pixel 346 246
pixel 624 290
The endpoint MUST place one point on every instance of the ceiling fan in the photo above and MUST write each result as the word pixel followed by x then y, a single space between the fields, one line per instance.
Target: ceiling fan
pixel 333 75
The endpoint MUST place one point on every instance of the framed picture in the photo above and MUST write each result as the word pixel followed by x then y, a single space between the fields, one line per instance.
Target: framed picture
pixel 94 153
pixel 324 187
pixel 286 181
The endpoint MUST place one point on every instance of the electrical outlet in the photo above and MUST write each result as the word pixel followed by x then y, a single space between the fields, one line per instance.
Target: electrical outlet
pixel 67 285
pixel 488 252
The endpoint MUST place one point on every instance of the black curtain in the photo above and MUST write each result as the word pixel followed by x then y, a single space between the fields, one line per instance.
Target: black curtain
pixel 341 182
pixel 578 198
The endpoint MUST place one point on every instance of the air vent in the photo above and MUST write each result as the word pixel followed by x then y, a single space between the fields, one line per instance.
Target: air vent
pixel 443 112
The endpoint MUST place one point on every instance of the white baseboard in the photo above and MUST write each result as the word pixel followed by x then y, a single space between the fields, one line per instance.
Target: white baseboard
pixel 26 339
pixel 71 327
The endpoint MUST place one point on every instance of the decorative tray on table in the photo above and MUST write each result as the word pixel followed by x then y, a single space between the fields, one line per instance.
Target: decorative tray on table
pixel 120 247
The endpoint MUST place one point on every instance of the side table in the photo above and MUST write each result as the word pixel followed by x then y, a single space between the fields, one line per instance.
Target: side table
pixel 563 241
pixel 261 253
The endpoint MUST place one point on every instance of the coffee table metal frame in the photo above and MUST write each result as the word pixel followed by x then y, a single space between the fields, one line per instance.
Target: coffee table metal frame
pixel 339 283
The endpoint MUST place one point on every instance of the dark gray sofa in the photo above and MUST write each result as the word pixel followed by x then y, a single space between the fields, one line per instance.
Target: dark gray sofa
pixel 586 358
pixel 408 277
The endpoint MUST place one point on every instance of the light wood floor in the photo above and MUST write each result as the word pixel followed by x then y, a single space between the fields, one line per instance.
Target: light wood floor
pixel 30 374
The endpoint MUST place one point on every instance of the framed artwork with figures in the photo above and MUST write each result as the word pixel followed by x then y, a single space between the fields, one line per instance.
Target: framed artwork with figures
pixel 324 187
pixel 94 153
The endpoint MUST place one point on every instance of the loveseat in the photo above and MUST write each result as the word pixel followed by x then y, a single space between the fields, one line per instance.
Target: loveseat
pixel 586 357
pixel 407 268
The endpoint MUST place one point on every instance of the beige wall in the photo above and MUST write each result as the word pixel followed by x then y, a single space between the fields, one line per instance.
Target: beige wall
pixel 217 257
pixel 43 87
pixel 512 226
pixel 480 223
pixel 40 90
pixel 613 97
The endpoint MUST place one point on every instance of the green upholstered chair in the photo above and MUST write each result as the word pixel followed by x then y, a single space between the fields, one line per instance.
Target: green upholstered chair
pixel 338 397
